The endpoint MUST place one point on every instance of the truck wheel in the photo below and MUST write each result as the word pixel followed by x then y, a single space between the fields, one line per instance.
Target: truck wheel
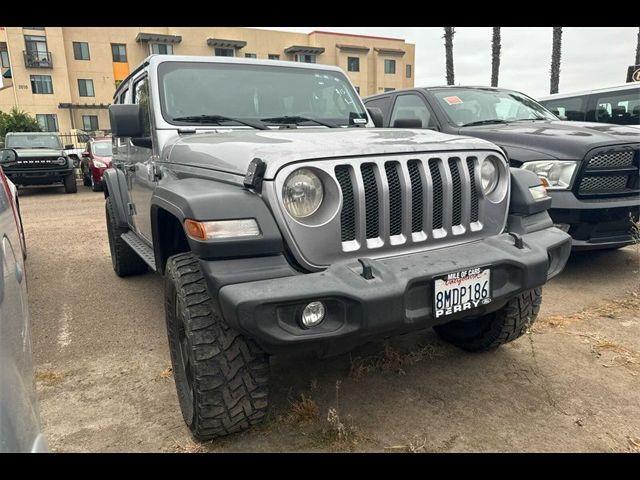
pixel 125 261
pixel 221 377
pixel 86 178
pixel 70 185
pixel 497 328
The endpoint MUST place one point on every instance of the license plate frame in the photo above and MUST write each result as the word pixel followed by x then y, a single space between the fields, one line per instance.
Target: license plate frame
pixel 458 291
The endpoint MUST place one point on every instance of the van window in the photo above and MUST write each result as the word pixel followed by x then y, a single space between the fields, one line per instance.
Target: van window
pixel 621 108
pixel 569 108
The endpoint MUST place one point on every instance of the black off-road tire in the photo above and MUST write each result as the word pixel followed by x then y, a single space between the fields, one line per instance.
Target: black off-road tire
pixel 86 179
pixel 70 185
pixel 221 377
pixel 495 329
pixel 124 259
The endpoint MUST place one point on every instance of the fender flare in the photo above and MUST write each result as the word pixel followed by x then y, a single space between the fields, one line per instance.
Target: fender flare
pixel 209 199
pixel 115 186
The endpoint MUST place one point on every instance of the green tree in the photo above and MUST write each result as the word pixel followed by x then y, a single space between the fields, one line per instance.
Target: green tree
pixel 17 121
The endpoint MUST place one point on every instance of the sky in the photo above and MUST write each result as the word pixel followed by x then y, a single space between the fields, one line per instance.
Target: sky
pixel 592 57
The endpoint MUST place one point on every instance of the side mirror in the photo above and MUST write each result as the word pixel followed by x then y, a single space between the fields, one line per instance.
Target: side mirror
pixel 407 123
pixel 69 147
pixel 8 157
pixel 376 115
pixel 126 120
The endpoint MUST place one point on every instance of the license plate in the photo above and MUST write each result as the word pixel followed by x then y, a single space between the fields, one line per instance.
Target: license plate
pixel 463 290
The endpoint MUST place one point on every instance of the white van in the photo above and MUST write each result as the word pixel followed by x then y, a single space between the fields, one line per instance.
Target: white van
pixel 619 105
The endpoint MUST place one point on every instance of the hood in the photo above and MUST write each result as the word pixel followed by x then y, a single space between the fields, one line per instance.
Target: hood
pixel 233 150
pixel 553 138
pixel 38 153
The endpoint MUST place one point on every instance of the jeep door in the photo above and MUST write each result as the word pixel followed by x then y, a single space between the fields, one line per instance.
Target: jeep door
pixel 140 165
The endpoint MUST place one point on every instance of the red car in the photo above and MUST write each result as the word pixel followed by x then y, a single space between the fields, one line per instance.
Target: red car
pixel 95 160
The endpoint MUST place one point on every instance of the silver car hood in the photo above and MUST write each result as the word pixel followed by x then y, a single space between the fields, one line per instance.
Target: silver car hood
pixel 232 150
pixel 38 153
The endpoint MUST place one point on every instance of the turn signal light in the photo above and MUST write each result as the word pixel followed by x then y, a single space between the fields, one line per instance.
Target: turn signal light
pixel 213 230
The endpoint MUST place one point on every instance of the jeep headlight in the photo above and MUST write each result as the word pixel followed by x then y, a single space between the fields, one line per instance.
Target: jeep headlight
pixel 554 174
pixel 302 193
pixel 489 174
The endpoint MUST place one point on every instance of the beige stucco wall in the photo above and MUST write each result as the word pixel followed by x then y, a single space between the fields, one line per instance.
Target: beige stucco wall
pixel 66 70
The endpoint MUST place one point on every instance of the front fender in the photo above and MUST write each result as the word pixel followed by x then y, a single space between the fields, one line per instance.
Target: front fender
pixel 201 199
pixel 115 186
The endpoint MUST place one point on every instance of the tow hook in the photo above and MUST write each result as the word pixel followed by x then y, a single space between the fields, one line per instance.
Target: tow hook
pixel 517 240
pixel 367 272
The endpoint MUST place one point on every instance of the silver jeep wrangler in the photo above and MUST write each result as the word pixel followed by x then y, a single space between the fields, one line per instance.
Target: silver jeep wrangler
pixel 282 219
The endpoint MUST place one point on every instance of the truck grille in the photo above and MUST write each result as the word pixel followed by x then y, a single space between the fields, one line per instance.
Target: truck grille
pixel 610 172
pixel 36 163
pixel 381 206
pixel 383 191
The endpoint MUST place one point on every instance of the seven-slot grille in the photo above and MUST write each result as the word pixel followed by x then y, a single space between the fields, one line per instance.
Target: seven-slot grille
pixel 610 172
pixel 418 197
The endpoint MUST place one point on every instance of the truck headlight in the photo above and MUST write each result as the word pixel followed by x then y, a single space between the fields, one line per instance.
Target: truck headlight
pixel 99 164
pixel 302 193
pixel 489 174
pixel 554 174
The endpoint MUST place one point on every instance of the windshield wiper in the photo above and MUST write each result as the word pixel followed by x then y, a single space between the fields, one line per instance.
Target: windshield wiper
pixel 49 148
pixel 484 122
pixel 296 119
pixel 218 119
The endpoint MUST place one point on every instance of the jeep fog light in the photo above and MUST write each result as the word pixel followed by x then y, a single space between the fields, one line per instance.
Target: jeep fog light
pixel 302 193
pixel 312 314
pixel 214 230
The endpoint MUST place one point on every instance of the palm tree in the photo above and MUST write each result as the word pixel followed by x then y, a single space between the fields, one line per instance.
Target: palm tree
pixel 638 49
pixel 495 56
pixel 448 47
pixel 556 53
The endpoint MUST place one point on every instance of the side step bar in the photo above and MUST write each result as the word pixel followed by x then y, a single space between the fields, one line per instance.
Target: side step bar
pixel 141 248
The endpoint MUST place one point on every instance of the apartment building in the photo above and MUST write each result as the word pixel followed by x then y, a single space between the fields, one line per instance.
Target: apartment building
pixel 66 76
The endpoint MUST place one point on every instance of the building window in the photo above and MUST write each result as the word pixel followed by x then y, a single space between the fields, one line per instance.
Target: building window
pixel 81 50
pixel 357 89
pixel 353 64
pixel 273 56
pixel 33 28
pixel 389 89
pixel 41 84
pixel 86 88
pixel 224 52
pixel 4 55
pixel 250 55
pixel 48 121
pixel 36 46
pixel 162 48
pixel 408 70
pixel 119 52
pixel 90 122
pixel 389 66
pixel 305 58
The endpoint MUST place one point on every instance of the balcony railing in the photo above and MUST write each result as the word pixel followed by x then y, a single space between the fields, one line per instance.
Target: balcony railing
pixel 37 59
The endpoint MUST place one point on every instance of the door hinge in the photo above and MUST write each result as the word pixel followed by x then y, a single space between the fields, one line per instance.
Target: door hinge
pixel 132 208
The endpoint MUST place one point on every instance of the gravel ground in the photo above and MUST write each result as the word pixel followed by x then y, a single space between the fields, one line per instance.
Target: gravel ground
pixel 105 383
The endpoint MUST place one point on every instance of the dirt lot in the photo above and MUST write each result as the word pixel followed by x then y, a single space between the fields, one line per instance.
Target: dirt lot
pixel 105 384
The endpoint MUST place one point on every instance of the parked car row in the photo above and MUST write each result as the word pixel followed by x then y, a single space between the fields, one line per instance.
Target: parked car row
pixel 282 219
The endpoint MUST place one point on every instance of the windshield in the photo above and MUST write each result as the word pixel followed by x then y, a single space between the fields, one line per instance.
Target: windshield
pixel 256 92
pixel 465 106
pixel 102 149
pixel 33 141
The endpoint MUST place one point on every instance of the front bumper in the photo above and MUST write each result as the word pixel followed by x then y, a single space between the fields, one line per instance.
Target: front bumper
pixel 595 223
pixel 38 177
pixel 398 299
